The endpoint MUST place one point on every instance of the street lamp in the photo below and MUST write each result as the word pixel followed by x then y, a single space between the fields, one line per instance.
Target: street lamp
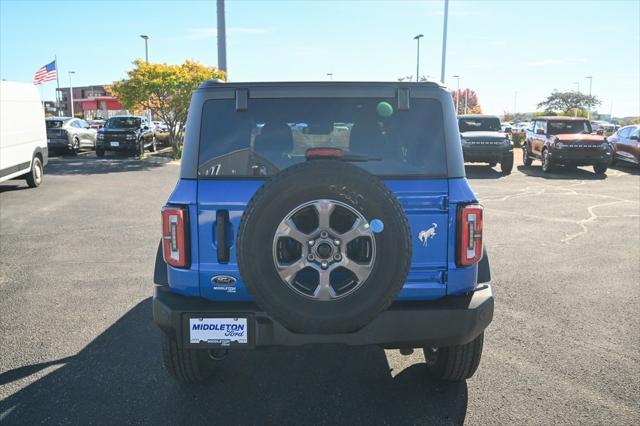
pixel 418 37
pixel 590 78
pixel 146 47
pixel 71 92
pixel 457 95
pixel 444 39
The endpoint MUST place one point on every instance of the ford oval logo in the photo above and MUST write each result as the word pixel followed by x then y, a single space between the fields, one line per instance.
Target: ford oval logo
pixel 223 280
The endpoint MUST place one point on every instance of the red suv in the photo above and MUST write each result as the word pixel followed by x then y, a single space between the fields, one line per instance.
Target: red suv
pixel 565 141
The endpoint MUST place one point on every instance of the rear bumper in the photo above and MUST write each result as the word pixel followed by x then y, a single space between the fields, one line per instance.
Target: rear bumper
pixel 448 321
pixel 122 145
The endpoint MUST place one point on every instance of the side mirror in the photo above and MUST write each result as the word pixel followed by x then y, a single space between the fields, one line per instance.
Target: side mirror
pixel 539 132
pixel 634 138
pixel 145 128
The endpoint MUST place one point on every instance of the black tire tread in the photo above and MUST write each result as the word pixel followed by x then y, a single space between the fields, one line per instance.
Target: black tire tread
pixel 506 164
pixel 186 365
pixel 250 212
pixel 457 362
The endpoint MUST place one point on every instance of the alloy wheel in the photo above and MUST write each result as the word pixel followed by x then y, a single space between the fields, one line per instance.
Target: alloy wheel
pixel 324 250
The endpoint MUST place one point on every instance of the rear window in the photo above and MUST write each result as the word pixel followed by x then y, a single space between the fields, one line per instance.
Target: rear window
pixel 479 124
pixel 55 124
pixel 274 134
pixel 122 123
pixel 568 127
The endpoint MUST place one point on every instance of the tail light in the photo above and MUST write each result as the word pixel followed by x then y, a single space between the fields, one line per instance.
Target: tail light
pixel 175 236
pixel 469 235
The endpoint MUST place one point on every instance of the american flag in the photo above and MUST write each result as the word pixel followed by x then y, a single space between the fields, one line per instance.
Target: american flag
pixel 46 73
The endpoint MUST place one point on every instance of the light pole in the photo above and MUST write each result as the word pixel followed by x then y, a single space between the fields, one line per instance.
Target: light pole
pixel 146 47
pixel 418 37
pixel 575 110
pixel 330 75
pixel 71 92
pixel 222 38
pixel 457 95
pixel 444 39
pixel 590 78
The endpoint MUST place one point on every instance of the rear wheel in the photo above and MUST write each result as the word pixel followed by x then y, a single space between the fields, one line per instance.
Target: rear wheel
pixel 526 158
pixel 455 363
pixel 506 165
pixel 34 177
pixel 186 365
pixel 600 168
pixel 75 146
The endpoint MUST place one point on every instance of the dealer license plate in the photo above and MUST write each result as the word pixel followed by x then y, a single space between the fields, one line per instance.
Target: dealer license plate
pixel 115 143
pixel 223 331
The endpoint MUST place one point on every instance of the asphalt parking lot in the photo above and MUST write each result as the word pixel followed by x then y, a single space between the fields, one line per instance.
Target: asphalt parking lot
pixel 79 346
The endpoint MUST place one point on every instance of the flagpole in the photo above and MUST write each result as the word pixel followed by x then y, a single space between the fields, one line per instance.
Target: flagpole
pixel 55 59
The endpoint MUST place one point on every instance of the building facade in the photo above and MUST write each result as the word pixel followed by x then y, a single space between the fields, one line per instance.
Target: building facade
pixel 89 102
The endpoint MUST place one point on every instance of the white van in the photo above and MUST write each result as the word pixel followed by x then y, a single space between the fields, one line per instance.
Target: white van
pixel 23 137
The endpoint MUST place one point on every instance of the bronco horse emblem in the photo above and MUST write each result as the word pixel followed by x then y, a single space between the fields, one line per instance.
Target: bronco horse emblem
pixel 426 235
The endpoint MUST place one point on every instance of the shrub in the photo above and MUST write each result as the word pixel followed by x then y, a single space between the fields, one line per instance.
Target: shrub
pixel 517 138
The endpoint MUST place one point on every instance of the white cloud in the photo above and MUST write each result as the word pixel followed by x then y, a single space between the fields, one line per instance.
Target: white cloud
pixel 206 33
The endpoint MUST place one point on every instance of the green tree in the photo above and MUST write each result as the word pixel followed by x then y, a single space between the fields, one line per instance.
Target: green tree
pixel 569 103
pixel 163 89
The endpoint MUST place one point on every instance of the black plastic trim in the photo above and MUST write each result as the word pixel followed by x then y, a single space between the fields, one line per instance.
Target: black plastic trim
pixel 452 320
pixel 484 269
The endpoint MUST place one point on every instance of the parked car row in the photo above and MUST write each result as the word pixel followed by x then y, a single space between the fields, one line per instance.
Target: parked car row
pixel 132 134
pixel 554 141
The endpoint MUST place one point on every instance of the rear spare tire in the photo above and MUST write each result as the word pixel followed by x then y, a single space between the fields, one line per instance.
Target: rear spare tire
pixel 324 247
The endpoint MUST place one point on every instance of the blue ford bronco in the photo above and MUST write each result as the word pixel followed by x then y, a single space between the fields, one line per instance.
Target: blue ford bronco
pixel 322 213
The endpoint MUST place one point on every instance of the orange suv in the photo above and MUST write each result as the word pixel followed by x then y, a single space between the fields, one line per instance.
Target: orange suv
pixel 565 141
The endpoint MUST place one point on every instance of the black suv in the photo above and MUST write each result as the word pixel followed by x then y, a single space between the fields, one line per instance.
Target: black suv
pixel 126 133
pixel 484 142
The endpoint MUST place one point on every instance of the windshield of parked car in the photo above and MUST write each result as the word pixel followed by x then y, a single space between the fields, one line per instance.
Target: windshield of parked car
pixel 55 124
pixel 479 124
pixel 274 134
pixel 568 127
pixel 122 123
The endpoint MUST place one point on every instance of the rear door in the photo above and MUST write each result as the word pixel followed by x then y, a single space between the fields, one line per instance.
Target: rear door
pixel 239 150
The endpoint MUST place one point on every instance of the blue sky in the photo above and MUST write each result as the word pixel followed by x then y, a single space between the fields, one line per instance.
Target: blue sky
pixel 497 47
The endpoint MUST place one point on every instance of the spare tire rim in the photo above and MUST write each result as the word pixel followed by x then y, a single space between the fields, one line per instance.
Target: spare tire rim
pixel 324 250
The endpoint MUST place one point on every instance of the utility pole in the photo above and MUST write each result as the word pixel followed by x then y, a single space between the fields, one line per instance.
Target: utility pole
pixel 575 110
pixel 590 78
pixel 466 99
pixel 146 47
pixel 444 40
pixel 457 95
pixel 222 39
pixel 418 37
pixel 71 93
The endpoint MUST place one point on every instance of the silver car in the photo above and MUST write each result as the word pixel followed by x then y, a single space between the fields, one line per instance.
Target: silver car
pixel 69 134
